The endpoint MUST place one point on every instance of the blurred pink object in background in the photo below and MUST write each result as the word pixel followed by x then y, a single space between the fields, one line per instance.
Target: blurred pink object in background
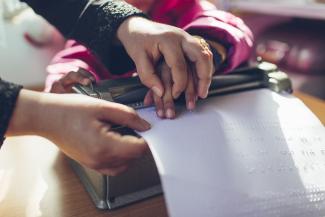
pixel 297 46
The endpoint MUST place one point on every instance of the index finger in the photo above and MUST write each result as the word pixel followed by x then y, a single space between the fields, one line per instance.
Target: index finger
pixel 147 74
pixel 130 147
pixel 122 115
pixel 175 59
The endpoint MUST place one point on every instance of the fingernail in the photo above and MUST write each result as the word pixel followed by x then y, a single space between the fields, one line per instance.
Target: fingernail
pixel 191 105
pixel 176 95
pixel 160 113
pixel 157 91
pixel 145 125
pixel 205 95
pixel 170 114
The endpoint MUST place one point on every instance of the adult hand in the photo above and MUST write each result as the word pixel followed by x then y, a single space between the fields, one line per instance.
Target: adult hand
pixel 81 128
pixel 147 42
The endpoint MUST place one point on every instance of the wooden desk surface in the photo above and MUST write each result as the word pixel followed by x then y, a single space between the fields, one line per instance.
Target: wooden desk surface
pixel 36 180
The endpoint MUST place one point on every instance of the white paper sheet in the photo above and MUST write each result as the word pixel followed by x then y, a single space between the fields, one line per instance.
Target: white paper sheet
pixel 255 153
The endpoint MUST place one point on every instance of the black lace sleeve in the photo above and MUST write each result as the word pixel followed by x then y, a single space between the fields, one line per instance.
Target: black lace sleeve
pixel 91 22
pixel 8 96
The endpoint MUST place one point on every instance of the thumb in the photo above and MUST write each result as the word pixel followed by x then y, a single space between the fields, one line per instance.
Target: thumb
pixel 130 147
pixel 122 115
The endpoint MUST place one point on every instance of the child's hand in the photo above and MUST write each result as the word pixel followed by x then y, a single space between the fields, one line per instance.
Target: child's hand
pixel 165 105
pixel 65 84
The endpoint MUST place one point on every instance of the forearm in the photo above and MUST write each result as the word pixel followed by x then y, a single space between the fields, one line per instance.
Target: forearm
pixel 21 111
pixel 27 114
pixel 38 113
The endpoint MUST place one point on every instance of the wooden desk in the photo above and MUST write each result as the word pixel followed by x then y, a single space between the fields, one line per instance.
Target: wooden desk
pixel 36 180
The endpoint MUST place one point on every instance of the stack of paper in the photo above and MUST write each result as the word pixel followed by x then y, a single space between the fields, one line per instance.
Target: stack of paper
pixel 255 153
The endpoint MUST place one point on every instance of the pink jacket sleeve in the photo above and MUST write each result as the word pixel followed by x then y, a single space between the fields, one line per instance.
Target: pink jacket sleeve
pixel 73 57
pixel 204 19
pixel 194 16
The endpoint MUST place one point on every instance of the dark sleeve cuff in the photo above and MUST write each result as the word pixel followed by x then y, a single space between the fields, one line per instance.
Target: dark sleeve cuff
pixel 97 29
pixel 8 97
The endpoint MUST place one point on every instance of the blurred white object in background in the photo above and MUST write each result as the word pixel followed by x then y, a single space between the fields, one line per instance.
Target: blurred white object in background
pixel 27 44
pixel 36 28
pixel 11 8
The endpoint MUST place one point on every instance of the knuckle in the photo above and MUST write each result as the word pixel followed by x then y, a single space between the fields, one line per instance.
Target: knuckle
pixel 169 34
pixel 180 66
pixel 209 54
pixel 206 55
pixel 168 99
